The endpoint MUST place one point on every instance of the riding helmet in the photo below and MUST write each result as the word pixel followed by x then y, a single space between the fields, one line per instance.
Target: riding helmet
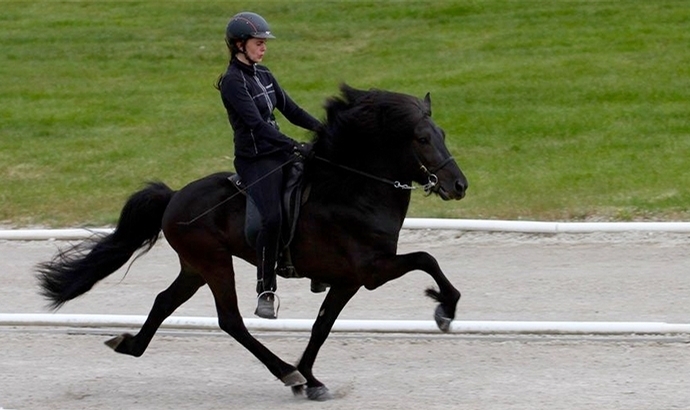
pixel 246 25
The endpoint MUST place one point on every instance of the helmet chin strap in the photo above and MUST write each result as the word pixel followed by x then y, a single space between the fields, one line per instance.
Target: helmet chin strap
pixel 242 51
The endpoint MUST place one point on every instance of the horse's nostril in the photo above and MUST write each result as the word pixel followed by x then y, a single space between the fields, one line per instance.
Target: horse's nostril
pixel 461 186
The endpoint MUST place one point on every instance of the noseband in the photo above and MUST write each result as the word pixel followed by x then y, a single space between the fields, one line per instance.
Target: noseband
pixel 431 173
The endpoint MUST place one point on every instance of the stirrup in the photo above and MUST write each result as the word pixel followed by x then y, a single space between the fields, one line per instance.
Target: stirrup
pixel 265 305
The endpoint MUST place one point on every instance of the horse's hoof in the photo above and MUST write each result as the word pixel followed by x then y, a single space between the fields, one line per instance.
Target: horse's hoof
pixel 320 393
pixel 115 341
pixel 442 321
pixel 295 378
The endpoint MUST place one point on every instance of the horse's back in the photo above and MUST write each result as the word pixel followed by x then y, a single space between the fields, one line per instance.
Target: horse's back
pixel 201 195
pixel 209 206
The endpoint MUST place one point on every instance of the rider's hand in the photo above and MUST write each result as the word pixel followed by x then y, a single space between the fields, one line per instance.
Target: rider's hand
pixel 303 149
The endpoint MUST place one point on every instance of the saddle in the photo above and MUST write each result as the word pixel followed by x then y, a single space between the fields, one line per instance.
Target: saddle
pixel 294 195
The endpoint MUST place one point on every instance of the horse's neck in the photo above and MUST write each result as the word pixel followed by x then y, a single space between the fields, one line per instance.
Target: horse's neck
pixel 360 198
pixel 362 180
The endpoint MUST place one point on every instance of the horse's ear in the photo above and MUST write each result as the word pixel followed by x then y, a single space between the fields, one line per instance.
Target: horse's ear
pixel 427 102
pixel 351 94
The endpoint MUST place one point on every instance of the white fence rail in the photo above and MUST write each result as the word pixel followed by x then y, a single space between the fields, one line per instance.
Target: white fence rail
pixel 544 227
pixel 416 223
pixel 352 326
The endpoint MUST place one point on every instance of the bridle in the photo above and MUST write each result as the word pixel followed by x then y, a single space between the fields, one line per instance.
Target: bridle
pixel 431 173
pixel 432 179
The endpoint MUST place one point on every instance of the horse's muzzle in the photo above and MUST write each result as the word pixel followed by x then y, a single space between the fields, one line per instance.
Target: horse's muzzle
pixel 456 191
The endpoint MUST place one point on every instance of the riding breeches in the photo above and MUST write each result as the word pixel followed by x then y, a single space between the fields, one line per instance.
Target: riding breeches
pixel 263 179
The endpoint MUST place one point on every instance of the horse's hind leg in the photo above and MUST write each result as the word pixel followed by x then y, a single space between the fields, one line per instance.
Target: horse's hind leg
pixel 183 288
pixel 222 285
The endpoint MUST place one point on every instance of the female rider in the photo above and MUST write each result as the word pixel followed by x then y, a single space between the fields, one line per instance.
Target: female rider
pixel 250 93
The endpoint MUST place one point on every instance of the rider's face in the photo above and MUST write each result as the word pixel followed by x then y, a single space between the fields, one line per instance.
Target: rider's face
pixel 255 49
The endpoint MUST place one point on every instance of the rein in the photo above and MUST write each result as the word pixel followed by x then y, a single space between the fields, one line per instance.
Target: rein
pixel 433 179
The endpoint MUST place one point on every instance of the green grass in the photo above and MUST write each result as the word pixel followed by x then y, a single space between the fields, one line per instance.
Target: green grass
pixel 554 109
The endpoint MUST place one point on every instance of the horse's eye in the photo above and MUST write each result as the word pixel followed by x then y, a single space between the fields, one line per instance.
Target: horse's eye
pixel 423 140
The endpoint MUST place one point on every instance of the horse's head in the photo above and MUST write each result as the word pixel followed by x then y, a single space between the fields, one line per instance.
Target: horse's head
pixel 438 171
pixel 391 135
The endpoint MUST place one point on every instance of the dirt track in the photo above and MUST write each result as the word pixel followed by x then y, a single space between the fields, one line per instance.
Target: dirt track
pixel 598 277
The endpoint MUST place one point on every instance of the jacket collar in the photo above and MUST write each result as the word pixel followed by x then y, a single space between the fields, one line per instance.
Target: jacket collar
pixel 249 69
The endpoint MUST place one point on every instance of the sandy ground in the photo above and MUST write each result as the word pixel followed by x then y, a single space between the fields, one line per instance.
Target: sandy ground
pixel 592 277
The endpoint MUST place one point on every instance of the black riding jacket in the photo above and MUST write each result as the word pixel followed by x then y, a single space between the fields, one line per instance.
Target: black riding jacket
pixel 250 94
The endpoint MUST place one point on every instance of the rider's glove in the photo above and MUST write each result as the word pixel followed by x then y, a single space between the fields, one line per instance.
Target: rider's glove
pixel 304 150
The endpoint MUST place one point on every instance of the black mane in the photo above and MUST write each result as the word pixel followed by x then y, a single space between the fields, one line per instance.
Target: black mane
pixel 366 130
pixel 367 120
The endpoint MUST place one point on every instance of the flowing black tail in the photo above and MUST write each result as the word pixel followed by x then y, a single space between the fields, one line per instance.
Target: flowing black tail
pixel 74 271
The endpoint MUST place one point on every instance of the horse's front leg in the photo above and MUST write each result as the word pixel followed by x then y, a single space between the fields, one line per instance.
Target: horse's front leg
pixel 386 269
pixel 333 304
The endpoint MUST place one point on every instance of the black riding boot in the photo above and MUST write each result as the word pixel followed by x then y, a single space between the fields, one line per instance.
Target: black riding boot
pixel 266 284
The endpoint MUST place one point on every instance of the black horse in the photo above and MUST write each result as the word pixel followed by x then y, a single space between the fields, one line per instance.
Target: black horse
pixel 374 145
